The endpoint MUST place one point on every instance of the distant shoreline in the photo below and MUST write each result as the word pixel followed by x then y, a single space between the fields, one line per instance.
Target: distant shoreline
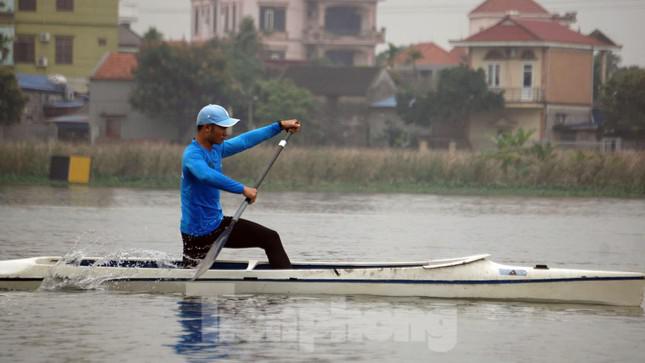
pixel 519 172
pixel 385 188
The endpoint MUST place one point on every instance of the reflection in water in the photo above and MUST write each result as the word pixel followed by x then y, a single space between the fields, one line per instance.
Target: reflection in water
pixel 295 326
pixel 200 338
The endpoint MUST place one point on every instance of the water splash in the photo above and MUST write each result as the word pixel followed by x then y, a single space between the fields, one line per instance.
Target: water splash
pixel 87 278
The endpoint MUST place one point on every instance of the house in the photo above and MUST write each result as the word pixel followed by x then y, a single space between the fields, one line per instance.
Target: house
pixel 50 113
pixel 342 31
pixel 420 64
pixel 64 37
pixel 129 41
pixel 543 68
pixel 111 116
pixel 354 104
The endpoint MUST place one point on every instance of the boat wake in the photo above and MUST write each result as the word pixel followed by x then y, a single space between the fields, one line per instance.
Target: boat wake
pixel 58 279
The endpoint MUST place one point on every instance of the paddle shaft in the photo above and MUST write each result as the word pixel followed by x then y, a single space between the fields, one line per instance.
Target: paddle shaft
pixel 219 243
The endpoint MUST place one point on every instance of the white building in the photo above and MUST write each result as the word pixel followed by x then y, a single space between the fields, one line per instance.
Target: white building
pixel 343 31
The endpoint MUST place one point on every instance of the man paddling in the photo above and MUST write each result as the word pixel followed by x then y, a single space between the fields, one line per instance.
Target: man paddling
pixel 202 220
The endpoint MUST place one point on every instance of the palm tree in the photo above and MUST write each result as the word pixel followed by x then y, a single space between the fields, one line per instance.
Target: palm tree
pixel 413 56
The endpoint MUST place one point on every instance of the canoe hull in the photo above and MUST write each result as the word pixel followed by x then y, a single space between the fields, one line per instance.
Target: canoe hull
pixel 473 277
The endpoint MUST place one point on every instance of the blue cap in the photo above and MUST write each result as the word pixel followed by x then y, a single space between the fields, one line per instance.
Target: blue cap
pixel 215 114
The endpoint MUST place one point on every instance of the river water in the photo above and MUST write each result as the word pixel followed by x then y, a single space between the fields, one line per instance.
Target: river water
pixel 98 325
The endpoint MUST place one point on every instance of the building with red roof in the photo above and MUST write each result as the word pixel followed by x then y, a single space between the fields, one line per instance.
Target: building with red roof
pixel 543 68
pixel 490 12
pixel 111 116
pixel 419 64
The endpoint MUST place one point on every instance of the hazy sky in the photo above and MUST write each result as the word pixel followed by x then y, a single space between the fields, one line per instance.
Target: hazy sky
pixel 410 21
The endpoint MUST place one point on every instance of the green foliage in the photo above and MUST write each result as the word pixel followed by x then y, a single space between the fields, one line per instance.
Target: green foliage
pixel 623 99
pixel 387 57
pixel 511 150
pixel 12 100
pixel 5 46
pixel 173 82
pixel 280 99
pixel 246 67
pixel 613 63
pixel 460 93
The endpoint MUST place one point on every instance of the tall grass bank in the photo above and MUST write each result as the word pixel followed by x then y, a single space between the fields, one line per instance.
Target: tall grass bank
pixel 535 171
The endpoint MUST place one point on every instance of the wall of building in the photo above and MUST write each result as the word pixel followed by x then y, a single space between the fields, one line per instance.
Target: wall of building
pixel 511 68
pixel 110 99
pixel 90 21
pixel 304 36
pixel 569 76
pixel 484 127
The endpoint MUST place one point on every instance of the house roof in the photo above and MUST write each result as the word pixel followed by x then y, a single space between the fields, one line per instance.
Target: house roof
pixel 431 54
pixel 116 67
pixel 598 35
pixel 336 81
pixel 512 29
pixel 459 53
pixel 505 6
pixel 38 83
pixel 128 38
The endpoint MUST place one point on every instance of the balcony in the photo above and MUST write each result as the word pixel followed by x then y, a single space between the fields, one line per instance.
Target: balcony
pixel 316 35
pixel 521 95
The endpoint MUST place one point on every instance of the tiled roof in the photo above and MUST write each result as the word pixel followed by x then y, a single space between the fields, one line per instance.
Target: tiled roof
pixel 504 6
pixel 459 53
pixel 116 67
pixel 431 54
pixel 524 30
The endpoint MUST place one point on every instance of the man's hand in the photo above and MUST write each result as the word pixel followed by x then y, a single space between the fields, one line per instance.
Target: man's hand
pixel 250 194
pixel 290 125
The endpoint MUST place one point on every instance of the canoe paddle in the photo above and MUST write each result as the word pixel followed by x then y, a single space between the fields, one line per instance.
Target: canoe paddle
pixel 215 249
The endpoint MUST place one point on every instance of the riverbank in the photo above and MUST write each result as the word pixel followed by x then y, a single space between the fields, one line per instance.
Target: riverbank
pixel 524 172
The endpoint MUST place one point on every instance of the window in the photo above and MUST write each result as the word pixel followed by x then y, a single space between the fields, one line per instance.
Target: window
pixel 528 55
pixel 272 19
pixel 492 75
pixel 64 5
pixel 27 5
pixel 24 49
pixel 528 76
pixel 64 49
pixel 494 54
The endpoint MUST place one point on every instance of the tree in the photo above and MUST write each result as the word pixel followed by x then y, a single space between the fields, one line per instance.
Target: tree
pixel 12 100
pixel 172 82
pixel 413 55
pixel 613 64
pixel 388 56
pixel 280 99
pixel 460 93
pixel 5 47
pixel 623 99
pixel 246 66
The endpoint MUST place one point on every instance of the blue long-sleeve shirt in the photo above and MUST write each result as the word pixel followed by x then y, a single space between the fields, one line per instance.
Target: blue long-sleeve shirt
pixel 202 179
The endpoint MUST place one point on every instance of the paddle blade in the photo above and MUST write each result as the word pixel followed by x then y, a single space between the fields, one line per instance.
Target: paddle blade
pixel 215 249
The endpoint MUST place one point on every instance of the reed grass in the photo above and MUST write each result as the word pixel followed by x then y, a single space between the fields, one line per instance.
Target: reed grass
pixel 330 169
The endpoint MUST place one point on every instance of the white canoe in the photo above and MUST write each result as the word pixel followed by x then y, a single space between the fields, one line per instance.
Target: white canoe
pixel 473 277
